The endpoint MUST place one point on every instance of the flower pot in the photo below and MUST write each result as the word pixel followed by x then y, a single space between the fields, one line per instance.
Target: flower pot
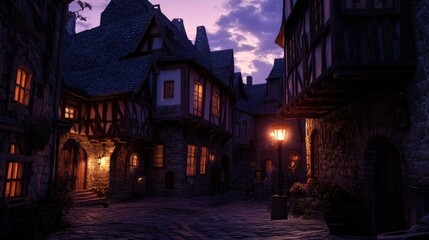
pixel 337 224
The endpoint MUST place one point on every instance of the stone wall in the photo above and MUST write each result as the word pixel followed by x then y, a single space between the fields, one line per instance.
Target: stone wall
pixel 31 38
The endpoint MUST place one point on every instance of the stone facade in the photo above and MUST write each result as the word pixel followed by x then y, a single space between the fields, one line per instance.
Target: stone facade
pixel 346 145
pixel 32 39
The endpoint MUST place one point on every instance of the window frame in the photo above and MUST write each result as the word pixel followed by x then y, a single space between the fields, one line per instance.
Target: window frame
pixel 204 159
pixel 198 94
pixel 168 89
pixel 215 104
pixel 158 160
pixel 22 90
pixel 191 160
pixel 68 114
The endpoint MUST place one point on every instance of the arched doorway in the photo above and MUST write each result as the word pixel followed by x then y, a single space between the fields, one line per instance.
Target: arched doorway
pixel 72 166
pixel 226 171
pixel 388 194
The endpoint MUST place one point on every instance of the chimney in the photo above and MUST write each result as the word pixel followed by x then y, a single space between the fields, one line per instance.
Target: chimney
pixel 178 22
pixel 249 81
pixel 201 41
pixel 71 24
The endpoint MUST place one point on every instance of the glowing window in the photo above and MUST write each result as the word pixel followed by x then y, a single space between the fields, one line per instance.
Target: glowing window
pixel 212 158
pixel 69 112
pixel 159 156
pixel 22 86
pixel 191 160
pixel 203 160
pixel 198 99
pixel 216 104
pixel 16 180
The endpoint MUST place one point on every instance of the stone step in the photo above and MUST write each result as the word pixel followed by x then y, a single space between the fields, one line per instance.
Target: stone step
pixel 88 198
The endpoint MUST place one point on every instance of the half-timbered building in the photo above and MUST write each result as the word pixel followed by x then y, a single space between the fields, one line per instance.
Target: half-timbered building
pixel 357 71
pixel 149 110
pixel 31 44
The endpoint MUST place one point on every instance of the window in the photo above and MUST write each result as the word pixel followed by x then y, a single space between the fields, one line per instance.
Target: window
pixel 212 157
pixel 317 15
pixel 153 43
pixel 168 89
pixel 70 112
pixel 17 177
pixel 383 4
pixel 215 104
pixel 134 160
pixel 198 99
pixel 191 160
pixel 156 43
pixel 159 156
pixel 355 4
pixel 203 160
pixel 22 86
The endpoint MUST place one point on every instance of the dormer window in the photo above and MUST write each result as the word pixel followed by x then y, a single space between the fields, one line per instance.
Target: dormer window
pixel 70 112
pixel 153 42
pixel 22 86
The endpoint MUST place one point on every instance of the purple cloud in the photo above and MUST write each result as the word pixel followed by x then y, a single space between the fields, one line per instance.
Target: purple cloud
pixel 250 18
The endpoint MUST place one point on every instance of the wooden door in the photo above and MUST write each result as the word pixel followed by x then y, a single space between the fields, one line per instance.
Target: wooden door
pixel 72 166
pixel 80 170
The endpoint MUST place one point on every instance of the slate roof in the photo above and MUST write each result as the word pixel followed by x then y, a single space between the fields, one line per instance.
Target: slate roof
pixel 278 69
pixel 258 103
pixel 119 77
pixel 95 64
pixel 223 66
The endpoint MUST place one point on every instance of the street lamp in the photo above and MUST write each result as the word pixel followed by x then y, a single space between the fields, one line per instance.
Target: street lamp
pixel 279 202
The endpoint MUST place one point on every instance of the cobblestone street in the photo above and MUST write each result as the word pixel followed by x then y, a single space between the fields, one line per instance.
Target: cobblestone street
pixel 229 216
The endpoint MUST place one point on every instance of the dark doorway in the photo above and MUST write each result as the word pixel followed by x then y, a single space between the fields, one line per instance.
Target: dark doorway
pixel 226 171
pixel 169 180
pixel 72 166
pixel 389 214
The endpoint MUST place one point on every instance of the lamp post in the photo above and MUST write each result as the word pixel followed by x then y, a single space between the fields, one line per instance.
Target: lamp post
pixel 279 202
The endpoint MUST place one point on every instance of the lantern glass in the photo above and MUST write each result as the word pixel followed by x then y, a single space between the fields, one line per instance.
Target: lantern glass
pixel 279 132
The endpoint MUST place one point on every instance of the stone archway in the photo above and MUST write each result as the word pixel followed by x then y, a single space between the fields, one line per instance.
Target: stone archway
pixel 385 185
pixel 72 166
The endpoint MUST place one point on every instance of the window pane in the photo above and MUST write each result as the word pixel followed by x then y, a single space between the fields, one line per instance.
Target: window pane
pixel 198 99
pixel 168 89
pixel 190 162
pixel 159 156
pixel 203 160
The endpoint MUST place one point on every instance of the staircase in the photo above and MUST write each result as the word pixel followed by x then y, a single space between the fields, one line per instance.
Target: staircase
pixel 87 198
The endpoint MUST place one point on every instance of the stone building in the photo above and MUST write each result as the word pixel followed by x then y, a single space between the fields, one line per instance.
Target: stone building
pixel 149 111
pixel 357 71
pixel 31 43
pixel 255 114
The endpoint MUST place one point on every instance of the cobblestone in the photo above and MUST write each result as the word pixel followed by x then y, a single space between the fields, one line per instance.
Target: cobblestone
pixel 229 216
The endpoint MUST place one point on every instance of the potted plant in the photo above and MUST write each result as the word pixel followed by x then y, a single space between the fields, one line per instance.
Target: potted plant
pixel 336 203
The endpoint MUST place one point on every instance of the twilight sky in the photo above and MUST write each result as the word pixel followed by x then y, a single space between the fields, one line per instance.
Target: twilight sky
pixel 247 26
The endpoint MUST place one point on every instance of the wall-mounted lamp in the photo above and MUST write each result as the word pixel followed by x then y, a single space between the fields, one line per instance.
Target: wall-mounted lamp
pixel 293 162
pixel 134 160
pixel 99 160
